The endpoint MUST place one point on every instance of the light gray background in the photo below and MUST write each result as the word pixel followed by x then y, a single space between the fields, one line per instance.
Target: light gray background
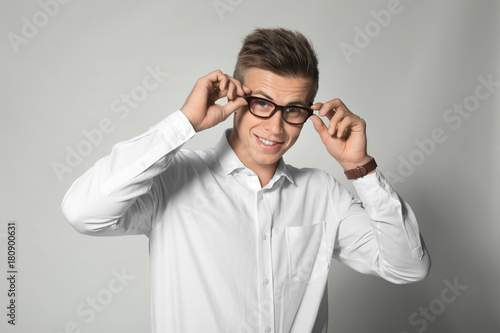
pixel 64 79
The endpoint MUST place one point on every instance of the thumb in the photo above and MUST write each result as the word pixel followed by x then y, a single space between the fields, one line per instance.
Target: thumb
pixel 319 125
pixel 234 105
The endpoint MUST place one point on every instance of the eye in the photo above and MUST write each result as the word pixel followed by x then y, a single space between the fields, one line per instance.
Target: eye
pixel 261 103
pixel 292 109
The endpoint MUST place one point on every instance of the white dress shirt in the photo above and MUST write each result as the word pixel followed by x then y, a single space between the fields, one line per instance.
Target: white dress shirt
pixel 230 256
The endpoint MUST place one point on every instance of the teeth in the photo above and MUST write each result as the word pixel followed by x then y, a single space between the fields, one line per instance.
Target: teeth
pixel 267 142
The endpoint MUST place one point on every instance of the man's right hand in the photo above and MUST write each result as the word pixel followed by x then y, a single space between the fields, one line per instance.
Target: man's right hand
pixel 200 107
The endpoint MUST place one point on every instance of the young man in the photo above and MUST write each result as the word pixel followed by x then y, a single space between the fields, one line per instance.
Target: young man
pixel 239 240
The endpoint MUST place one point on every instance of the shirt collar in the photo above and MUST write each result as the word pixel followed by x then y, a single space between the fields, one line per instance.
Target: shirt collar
pixel 230 162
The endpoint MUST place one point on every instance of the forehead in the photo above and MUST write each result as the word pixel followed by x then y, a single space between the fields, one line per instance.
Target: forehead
pixel 280 89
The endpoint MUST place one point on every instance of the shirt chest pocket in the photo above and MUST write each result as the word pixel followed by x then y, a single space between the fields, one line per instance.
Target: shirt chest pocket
pixel 307 252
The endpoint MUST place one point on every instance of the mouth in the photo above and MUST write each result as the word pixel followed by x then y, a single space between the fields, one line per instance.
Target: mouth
pixel 268 144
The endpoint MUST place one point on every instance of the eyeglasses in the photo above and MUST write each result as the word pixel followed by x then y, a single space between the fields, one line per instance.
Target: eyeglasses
pixel 263 108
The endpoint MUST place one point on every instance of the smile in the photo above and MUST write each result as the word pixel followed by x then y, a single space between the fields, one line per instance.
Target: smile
pixel 267 142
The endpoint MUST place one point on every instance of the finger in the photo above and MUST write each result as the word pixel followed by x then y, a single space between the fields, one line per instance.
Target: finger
pixel 247 91
pixel 325 109
pixel 327 112
pixel 329 108
pixel 233 105
pixel 219 82
pixel 337 103
pixel 217 92
pixel 231 90
pixel 319 125
pixel 223 83
pixel 239 90
pixel 343 126
pixel 336 111
pixel 336 117
pixel 216 79
pixel 316 106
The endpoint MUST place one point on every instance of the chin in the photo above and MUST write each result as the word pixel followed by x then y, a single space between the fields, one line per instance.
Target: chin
pixel 267 159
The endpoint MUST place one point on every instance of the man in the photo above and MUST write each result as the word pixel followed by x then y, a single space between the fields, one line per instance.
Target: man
pixel 240 241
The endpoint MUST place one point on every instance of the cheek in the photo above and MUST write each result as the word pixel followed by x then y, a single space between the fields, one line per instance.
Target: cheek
pixel 247 122
pixel 240 117
pixel 293 134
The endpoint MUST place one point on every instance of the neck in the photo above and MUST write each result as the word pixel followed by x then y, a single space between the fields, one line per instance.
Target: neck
pixel 265 176
pixel 264 172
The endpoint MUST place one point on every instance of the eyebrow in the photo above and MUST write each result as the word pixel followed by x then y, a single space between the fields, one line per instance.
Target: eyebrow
pixel 297 102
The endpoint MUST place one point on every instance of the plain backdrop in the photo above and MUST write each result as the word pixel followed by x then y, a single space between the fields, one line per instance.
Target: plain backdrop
pixel 416 71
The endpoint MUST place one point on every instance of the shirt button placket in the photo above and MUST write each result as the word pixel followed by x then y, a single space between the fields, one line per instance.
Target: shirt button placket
pixel 266 295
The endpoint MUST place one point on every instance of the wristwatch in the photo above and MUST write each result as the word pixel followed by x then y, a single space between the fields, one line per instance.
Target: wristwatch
pixel 361 171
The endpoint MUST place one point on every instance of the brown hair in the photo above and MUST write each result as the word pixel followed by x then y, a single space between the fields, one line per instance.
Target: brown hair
pixel 283 52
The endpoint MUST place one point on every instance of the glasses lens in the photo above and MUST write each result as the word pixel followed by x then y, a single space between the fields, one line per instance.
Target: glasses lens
pixel 261 107
pixel 295 115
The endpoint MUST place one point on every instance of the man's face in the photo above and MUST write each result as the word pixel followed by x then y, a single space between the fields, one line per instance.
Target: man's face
pixel 260 143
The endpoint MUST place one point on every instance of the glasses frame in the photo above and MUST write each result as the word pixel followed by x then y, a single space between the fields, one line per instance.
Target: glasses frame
pixel 277 107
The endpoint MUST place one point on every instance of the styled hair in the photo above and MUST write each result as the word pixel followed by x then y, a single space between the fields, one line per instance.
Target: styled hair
pixel 283 52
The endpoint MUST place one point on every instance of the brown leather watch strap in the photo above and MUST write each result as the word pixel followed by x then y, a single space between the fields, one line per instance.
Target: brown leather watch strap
pixel 361 171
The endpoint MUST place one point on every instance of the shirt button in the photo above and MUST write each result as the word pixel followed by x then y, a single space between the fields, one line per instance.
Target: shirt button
pixel 260 196
pixel 268 329
pixel 264 237
pixel 266 282
pixel 181 136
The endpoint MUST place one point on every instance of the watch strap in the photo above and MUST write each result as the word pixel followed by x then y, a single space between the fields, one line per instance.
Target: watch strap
pixel 362 170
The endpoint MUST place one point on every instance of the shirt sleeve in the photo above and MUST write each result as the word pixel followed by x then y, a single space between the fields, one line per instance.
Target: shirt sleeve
pixel 379 234
pixel 118 195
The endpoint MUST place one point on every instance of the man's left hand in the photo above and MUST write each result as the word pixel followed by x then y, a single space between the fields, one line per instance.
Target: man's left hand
pixel 345 135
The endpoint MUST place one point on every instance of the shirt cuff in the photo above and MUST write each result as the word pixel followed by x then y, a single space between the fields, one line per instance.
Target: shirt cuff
pixel 370 186
pixel 383 203
pixel 183 128
pixel 379 198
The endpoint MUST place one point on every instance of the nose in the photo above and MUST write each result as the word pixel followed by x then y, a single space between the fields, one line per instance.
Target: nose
pixel 274 124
